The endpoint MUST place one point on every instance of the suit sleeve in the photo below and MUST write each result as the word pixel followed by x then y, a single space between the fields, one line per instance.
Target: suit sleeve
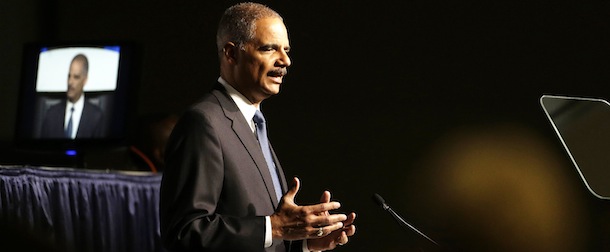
pixel 190 193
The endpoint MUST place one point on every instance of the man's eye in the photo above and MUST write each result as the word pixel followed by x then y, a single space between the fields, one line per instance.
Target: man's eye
pixel 267 48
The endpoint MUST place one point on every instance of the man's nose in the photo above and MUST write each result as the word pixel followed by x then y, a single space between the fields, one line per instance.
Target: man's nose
pixel 284 59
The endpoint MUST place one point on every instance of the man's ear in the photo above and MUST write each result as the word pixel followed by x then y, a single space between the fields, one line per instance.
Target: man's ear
pixel 229 52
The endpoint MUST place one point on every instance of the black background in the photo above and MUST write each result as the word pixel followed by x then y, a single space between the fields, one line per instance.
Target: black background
pixel 375 88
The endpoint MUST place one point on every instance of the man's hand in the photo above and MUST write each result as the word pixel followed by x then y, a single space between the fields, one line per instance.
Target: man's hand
pixel 293 222
pixel 337 237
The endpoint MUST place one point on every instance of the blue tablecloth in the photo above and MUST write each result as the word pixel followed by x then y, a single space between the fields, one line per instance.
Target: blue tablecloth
pixel 85 210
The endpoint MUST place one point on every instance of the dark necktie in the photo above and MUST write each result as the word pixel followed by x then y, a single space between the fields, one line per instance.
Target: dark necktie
pixel 69 127
pixel 261 133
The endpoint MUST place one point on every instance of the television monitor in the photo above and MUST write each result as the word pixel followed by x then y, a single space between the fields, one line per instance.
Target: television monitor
pixel 76 96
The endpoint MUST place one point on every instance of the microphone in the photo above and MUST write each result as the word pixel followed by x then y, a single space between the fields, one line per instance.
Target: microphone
pixel 381 202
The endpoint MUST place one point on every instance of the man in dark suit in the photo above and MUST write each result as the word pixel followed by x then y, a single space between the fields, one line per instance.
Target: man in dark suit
pixel 75 117
pixel 219 191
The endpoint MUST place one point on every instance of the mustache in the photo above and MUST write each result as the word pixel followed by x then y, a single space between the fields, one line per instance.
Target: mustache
pixel 278 72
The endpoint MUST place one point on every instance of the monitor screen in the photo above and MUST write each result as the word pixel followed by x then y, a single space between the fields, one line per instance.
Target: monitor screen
pixel 76 95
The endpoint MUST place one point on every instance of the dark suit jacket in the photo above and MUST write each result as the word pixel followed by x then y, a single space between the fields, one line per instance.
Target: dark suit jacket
pixel 91 122
pixel 216 187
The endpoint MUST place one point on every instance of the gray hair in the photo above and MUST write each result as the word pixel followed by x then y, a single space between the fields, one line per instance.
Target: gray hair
pixel 238 23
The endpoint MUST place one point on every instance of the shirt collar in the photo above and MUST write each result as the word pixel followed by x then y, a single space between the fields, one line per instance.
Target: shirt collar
pixel 245 106
pixel 78 105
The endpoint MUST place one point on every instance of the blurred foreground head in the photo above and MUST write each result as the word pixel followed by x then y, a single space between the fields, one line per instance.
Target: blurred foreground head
pixel 501 188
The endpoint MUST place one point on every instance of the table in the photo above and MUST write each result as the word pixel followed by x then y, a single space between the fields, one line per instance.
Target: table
pixel 84 210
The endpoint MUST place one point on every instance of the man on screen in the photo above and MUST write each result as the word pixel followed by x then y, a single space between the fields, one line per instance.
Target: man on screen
pixel 74 117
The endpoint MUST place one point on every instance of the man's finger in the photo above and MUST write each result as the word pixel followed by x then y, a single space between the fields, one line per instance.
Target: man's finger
pixel 325 230
pixel 322 207
pixel 292 193
pixel 342 238
pixel 350 219
pixel 325 197
pixel 328 220
pixel 350 230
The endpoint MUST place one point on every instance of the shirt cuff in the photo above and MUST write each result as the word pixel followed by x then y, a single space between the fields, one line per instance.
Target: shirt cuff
pixel 268 234
pixel 305 248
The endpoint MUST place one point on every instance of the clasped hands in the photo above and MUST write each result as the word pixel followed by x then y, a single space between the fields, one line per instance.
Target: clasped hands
pixel 314 223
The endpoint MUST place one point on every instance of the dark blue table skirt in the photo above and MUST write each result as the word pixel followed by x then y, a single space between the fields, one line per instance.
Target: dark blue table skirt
pixel 84 210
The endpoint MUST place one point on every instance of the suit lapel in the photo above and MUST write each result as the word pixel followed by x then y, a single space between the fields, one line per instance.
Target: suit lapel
pixel 248 139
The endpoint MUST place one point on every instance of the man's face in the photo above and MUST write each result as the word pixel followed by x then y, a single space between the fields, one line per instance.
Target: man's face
pixel 262 65
pixel 76 81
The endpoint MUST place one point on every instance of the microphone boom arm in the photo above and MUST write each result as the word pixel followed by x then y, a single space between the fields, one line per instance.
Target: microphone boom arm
pixel 406 224
pixel 379 200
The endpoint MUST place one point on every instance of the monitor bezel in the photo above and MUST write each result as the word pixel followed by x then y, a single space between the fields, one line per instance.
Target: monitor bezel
pixel 124 100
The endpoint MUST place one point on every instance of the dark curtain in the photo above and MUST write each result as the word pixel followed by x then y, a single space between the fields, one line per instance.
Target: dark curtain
pixel 83 210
